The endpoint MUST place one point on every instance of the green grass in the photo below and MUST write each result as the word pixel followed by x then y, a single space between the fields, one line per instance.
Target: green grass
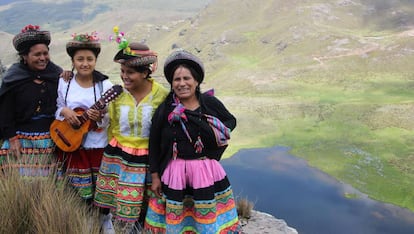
pixel 357 129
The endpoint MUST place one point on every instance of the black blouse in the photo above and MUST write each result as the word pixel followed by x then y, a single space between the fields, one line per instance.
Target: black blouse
pixel 25 105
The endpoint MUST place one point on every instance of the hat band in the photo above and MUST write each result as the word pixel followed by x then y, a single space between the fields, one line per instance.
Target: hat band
pixel 141 53
pixel 150 60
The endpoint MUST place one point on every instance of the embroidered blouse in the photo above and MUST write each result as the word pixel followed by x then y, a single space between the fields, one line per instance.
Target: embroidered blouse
pixel 130 121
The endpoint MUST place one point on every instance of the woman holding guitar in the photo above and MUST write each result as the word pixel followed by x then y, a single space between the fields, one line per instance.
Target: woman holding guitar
pixel 123 175
pixel 75 96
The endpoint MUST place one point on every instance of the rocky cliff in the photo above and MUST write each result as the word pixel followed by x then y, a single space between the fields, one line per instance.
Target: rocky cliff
pixel 262 223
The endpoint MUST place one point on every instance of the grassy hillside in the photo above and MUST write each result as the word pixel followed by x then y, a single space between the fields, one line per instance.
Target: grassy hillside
pixel 330 79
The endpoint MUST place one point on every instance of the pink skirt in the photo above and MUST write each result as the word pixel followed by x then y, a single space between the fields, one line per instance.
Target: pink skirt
pixel 197 174
pixel 197 198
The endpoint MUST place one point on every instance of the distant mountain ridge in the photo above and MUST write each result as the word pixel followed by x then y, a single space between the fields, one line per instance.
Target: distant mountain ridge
pixel 61 15
pixel 56 16
pixel 267 28
pixel 65 17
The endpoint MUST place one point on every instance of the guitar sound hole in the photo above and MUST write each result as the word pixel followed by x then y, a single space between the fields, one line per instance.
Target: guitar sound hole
pixel 76 127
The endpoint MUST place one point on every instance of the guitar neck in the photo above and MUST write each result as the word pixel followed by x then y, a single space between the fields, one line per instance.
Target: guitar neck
pixel 99 105
pixel 108 96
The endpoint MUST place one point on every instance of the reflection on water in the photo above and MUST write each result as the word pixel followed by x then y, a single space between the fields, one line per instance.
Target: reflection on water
pixel 307 199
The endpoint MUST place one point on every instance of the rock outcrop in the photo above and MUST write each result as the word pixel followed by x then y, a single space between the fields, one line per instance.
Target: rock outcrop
pixel 262 223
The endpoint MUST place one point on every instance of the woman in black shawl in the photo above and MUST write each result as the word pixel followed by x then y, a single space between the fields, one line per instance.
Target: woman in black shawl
pixel 27 104
pixel 189 133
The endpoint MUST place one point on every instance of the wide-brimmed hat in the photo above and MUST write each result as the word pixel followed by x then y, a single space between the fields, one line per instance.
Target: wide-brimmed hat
pixel 30 35
pixel 84 41
pixel 137 55
pixel 183 57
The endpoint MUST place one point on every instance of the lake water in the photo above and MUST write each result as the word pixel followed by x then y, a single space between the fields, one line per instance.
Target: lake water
pixel 309 200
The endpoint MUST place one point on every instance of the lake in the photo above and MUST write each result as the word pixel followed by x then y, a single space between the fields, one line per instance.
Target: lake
pixel 309 200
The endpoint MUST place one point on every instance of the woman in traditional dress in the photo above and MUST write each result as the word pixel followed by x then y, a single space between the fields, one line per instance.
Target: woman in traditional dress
pixel 28 104
pixel 75 97
pixel 123 176
pixel 188 136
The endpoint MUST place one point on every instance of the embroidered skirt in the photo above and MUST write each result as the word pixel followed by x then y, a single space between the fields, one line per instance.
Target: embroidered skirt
pixel 122 181
pixel 81 169
pixel 37 156
pixel 197 198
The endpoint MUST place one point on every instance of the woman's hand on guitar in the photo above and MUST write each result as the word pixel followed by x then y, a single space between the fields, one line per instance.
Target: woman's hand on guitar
pixel 71 116
pixel 94 115
pixel 66 75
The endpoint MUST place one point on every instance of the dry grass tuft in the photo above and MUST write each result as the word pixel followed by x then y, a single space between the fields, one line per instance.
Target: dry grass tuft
pixel 244 208
pixel 39 205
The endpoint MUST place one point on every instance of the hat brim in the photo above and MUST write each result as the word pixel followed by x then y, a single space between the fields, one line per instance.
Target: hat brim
pixel 25 40
pixel 73 46
pixel 169 72
pixel 120 57
pixel 134 61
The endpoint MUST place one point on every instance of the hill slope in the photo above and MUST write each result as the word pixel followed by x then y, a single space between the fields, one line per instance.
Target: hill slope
pixel 331 79
pixel 65 17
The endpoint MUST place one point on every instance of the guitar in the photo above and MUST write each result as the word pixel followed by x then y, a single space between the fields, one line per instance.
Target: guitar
pixel 68 137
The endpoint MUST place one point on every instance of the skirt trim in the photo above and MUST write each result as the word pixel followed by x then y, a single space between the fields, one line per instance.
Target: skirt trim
pixel 193 205
pixel 121 185
pixel 37 155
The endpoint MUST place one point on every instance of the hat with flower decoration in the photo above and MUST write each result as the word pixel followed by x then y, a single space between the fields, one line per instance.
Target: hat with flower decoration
pixel 134 54
pixel 30 35
pixel 183 57
pixel 82 42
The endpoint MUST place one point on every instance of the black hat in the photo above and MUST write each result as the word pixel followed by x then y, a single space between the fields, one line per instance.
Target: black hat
pixel 183 57
pixel 30 35
pixel 83 41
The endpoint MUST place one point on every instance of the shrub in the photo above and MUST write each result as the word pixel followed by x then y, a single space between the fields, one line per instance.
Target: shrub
pixel 39 205
pixel 244 208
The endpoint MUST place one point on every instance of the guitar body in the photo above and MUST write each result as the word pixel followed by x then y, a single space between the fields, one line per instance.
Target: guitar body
pixel 67 137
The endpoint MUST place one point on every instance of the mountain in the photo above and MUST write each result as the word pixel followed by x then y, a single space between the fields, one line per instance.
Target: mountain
pixel 60 15
pixel 330 79
pixel 65 17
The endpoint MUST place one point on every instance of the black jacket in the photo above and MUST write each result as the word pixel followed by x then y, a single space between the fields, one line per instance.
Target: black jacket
pixel 162 134
pixel 24 104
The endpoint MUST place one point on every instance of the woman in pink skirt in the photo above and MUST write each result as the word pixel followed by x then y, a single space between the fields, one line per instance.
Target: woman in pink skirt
pixel 188 136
